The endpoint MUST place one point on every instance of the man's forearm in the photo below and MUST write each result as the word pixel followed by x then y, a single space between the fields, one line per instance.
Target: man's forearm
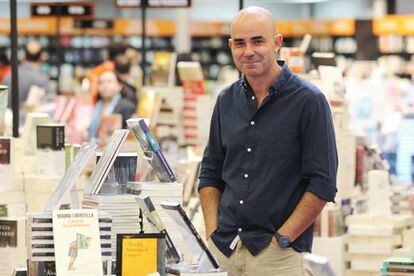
pixel 210 200
pixel 303 216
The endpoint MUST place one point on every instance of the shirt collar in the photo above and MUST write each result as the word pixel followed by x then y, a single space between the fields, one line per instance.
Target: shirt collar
pixel 277 84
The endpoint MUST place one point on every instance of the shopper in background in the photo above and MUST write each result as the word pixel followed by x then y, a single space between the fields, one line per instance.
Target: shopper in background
pixel 29 72
pixel 108 65
pixel 123 69
pixel 270 164
pixel 110 101
pixel 135 73
pixel 4 66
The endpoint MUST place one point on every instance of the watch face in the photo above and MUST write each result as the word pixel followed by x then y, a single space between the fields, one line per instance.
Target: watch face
pixel 283 241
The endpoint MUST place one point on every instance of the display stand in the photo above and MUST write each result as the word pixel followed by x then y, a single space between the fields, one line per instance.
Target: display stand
pixel 201 261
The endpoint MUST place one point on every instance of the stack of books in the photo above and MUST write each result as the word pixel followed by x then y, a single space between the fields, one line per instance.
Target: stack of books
pixel 397 266
pixel 402 197
pixel 159 192
pixel 12 201
pixel 123 210
pixel 197 113
pixel 40 243
pixel 12 244
pixel 371 239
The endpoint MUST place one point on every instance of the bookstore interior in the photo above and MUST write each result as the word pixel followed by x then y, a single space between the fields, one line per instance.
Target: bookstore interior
pixel 105 110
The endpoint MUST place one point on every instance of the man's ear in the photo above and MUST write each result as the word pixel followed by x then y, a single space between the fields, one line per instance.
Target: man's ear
pixel 278 41
pixel 230 42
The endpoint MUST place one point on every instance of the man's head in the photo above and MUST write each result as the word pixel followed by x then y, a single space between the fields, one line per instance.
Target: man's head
pixel 33 51
pixel 254 42
pixel 122 65
pixel 108 85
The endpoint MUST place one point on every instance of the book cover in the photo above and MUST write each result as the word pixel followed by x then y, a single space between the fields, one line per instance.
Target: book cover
pixel 151 150
pixel 12 247
pixel 123 170
pixel 154 220
pixel 41 268
pixel 140 254
pixel 70 177
pixel 107 125
pixel 50 153
pixel 193 239
pixel 77 242
pixel 105 163
pixel 160 69
pixel 6 168
pixel 149 105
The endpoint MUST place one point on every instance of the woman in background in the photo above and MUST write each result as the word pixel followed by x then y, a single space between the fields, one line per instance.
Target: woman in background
pixel 110 101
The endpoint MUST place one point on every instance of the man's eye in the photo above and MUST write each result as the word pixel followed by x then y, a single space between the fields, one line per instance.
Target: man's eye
pixel 238 43
pixel 257 42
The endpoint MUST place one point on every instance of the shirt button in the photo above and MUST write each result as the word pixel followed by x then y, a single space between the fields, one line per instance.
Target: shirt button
pixel 241 202
pixel 246 175
pixel 253 98
pixel 239 229
pixel 252 123
pixel 249 149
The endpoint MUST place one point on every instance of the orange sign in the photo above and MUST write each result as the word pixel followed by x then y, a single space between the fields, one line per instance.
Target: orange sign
pixel 210 28
pixel 153 27
pixel 399 25
pixel 342 27
pixel 387 25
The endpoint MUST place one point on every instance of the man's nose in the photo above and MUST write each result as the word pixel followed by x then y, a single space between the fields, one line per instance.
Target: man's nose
pixel 249 50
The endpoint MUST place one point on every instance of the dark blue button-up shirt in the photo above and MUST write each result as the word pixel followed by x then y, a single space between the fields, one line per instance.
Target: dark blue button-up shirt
pixel 265 158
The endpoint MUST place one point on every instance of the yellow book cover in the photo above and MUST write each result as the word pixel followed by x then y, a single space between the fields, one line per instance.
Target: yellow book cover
pixel 141 254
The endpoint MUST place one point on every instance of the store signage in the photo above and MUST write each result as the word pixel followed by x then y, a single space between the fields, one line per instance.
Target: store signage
pixel 153 3
pixel 102 24
pixel 73 9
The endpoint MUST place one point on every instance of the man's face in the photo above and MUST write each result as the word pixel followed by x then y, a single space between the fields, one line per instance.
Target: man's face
pixel 254 45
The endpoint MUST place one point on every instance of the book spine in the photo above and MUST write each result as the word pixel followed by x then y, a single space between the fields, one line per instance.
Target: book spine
pixel 156 149
pixel 5 148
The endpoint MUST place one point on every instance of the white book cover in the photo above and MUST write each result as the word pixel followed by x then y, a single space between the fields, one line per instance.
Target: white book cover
pixel 29 131
pixel 77 242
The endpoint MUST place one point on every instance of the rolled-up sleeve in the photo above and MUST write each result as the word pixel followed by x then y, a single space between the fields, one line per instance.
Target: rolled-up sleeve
pixel 319 154
pixel 212 163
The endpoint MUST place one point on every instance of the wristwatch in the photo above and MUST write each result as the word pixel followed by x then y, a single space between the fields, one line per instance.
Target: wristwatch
pixel 283 241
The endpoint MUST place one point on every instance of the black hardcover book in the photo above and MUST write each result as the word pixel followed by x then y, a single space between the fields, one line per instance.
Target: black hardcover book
pixel 51 136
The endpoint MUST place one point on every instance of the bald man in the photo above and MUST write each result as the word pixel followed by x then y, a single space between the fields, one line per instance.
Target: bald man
pixel 270 163
pixel 30 73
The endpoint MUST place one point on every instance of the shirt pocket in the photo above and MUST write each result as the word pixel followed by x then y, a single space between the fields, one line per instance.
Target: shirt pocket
pixel 283 149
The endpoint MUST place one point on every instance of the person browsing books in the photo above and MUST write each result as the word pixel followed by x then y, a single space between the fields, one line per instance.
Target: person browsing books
pixel 110 101
pixel 270 163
